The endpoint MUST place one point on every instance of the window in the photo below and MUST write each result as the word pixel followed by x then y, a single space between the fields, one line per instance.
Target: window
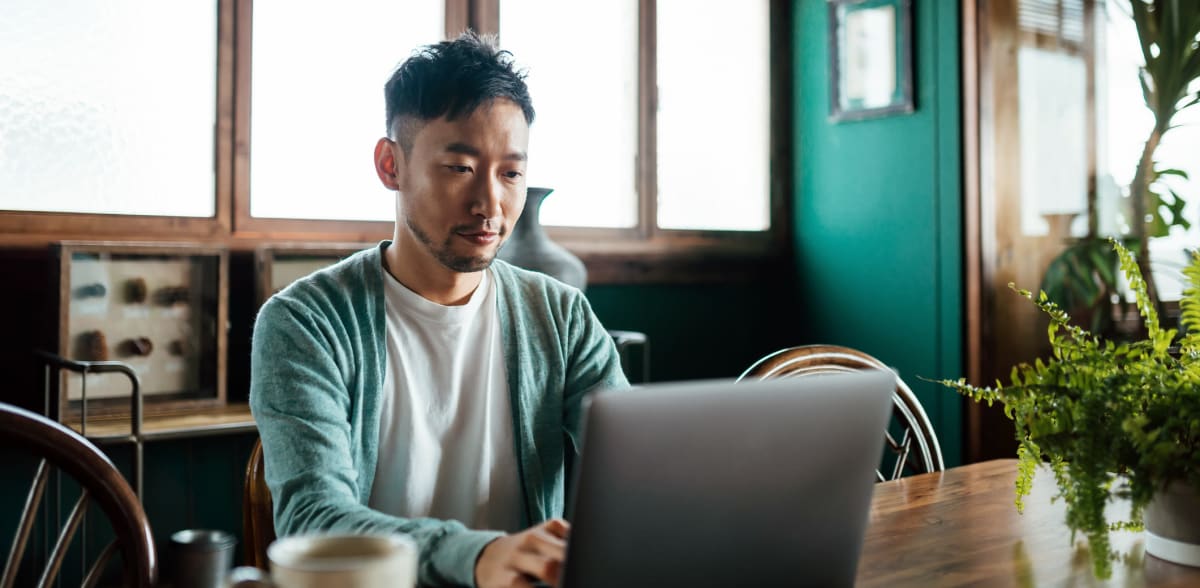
pixel 584 141
pixel 1083 120
pixel 238 121
pixel 700 97
pixel 1124 124
pixel 316 108
pixel 101 113
pixel 714 115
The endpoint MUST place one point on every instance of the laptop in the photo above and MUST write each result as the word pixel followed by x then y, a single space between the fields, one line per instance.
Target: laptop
pixel 716 483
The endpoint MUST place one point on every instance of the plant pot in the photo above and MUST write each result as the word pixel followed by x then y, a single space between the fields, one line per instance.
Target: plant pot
pixel 1173 525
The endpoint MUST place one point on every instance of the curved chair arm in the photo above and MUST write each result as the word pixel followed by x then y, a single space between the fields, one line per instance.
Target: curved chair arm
pixel 65 449
pixel 258 519
pixel 906 408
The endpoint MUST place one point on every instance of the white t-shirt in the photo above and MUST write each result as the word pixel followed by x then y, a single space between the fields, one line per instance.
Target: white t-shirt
pixel 446 446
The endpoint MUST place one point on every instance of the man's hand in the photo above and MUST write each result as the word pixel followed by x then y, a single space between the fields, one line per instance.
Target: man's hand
pixel 518 560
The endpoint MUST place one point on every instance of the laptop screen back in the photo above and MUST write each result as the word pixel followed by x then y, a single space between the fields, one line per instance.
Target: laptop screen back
pixel 717 483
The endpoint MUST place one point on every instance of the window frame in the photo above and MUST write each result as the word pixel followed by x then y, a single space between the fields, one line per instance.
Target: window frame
pixel 246 225
pixel 647 239
pixel 638 254
pixel 25 228
pixel 991 36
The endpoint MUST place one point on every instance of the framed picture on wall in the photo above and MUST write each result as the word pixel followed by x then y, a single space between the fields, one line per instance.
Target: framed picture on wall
pixel 870 57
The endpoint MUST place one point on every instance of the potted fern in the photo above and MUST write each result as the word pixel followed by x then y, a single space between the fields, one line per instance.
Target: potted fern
pixel 1114 420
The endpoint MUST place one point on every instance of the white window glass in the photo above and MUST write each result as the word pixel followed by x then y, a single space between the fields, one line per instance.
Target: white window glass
pixel 1125 123
pixel 583 81
pixel 317 106
pixel 714 114
pixel 108 107
pixel 1052 87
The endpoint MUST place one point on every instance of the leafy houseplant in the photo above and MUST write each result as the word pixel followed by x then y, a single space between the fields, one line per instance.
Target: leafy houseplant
pixel 1169 33
pixel 1112 419
pixel 1083 277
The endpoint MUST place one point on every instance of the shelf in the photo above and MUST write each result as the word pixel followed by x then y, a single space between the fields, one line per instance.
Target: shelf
pixel 226 420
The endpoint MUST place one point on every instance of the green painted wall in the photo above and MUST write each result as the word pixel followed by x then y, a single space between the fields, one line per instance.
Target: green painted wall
pixel 878 237
pixel 700 331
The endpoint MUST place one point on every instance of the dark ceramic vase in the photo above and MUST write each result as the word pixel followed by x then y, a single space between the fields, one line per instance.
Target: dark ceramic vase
pixel 530 248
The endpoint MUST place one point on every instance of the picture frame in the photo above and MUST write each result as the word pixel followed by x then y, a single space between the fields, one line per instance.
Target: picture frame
pixel 280 264
pixel 870 57
pixel 161 308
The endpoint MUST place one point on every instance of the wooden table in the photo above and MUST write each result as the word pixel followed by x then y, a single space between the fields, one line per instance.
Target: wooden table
pixel 961 528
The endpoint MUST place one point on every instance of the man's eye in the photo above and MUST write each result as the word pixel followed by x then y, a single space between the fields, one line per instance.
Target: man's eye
pixel 512 175
pixel 459 169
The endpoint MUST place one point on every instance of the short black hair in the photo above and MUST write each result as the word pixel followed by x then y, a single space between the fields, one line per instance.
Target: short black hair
pixel 451 79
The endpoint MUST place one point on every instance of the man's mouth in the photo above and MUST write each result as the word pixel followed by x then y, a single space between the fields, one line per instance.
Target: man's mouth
pixel 480 237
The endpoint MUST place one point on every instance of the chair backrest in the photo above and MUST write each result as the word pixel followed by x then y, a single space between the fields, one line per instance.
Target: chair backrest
pixel 915 449
pixel 56 446
pixel 258 521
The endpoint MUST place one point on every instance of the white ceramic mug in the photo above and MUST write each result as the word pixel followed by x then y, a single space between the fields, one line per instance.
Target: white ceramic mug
pixel 353 561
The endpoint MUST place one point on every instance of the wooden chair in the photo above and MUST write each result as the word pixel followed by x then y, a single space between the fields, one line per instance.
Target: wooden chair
pixel 258 520
pixel 909 418
pixel 26 433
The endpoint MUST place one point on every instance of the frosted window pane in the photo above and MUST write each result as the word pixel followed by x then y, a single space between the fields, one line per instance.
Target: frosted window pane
pixel 108 107
pixel 714 114
pixel 583 142
pixel 317 104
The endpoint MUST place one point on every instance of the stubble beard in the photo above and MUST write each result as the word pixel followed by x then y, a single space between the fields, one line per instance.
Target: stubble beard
pixel 444 256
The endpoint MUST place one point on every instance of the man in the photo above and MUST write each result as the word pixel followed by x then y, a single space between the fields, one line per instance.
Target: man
pixel 422 386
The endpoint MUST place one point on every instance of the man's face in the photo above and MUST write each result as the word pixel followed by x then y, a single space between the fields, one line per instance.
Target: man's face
pixel 462 188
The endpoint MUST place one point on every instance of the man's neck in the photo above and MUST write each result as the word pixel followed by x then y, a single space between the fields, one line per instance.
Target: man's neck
pixel 418 271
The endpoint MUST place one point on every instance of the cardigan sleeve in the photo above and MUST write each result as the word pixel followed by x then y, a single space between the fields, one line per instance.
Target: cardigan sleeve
pixel 302 406
pixel 592 364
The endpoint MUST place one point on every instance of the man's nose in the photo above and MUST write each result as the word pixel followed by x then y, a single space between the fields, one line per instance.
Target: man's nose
pixel 487 197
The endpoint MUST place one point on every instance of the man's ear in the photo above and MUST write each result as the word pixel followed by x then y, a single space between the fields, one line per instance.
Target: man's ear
pixel 390 164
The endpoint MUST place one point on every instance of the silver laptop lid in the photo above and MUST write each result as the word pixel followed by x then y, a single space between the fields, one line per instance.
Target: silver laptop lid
pixel 717 483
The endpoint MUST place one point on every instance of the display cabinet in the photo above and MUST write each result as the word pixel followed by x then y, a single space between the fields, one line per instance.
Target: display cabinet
pixel 280 264
pixel 161 308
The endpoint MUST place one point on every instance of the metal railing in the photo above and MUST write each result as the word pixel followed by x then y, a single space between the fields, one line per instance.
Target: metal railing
pixel 53 401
